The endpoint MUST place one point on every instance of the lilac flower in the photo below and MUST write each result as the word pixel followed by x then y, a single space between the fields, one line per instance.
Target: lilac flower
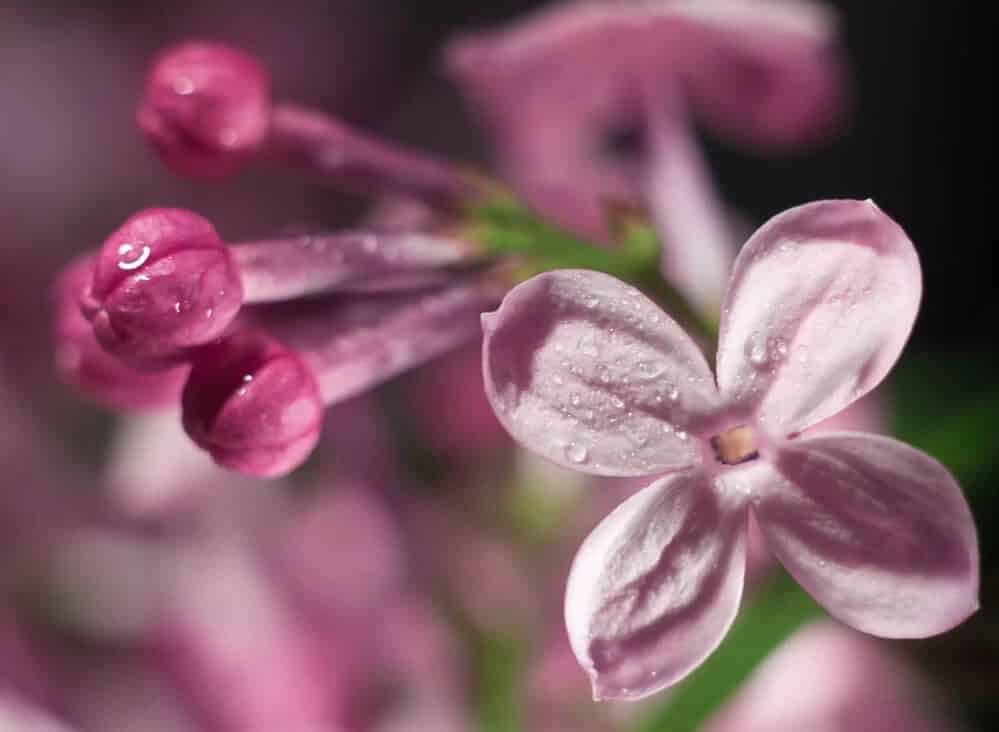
pixel 206 108
pixel 598 100
pixel 207 111
pixel 83 362
pixel 165 291
pixel 857 686
pixel 162 282
pixel 17 714
pixel 165 282
pixel 591 374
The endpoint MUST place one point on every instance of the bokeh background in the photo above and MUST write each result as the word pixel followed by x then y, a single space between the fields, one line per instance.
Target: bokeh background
pixel 919 141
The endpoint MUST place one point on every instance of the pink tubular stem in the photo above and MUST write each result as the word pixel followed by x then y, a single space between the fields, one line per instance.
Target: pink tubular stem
pixel 282 269
pixel 355 345
pixel 360 163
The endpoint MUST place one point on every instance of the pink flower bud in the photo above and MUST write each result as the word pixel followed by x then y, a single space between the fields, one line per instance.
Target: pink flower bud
pixel 163 282
pixel 206 108
pixel 253 404
pixel 82 362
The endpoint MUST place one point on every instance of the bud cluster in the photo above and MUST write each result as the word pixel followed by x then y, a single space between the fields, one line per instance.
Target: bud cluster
pixel 262 335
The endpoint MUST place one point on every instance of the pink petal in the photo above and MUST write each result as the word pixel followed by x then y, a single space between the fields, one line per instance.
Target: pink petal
pixel 354 343
pixel 655 587
pixel 698 239
pixel 292 267
pixel 19 714
pixel 591 374
pixel 858 685
pixel 877 531
pixel 821 302
pixel 762 73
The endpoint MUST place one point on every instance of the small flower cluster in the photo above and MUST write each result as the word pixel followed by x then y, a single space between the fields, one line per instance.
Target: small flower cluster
pixel 592 107
pixel 261 335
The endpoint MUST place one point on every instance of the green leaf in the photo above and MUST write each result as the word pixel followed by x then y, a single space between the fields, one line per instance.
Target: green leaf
pixel 499 661
pixel 943 406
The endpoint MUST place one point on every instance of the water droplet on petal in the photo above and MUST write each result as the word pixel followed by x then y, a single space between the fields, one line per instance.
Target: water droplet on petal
pixel 650 369
pixel 756 350
pixel 637 436
pixel 576 453
pixel 574 398
pixel 778 349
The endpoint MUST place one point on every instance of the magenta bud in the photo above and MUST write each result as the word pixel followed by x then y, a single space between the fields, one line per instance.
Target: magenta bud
pixel 253 404
pixel 163 282
pixel 206 108
pixel 83 363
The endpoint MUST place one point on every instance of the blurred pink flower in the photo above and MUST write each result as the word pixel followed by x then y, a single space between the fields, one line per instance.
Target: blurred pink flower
pixel 591 374
pixel 841 681
pixel 597 100
pixel 464 423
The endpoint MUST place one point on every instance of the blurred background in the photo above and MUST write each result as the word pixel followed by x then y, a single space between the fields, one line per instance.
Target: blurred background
pixel 458 574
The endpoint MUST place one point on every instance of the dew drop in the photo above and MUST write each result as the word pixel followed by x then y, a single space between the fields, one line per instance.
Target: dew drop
pixel 184 86
pixel 778 349
pixel 576 452
pixel 129 259
pixel 574 399
pixel 672 392
pixel 650 369
pixel 604 374
pixel 617 402
pixel 638 437
pixel 756 350
pixel 681 434
pixel 591 301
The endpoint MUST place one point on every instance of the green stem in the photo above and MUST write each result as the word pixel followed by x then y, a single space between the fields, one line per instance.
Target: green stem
pixel 505 227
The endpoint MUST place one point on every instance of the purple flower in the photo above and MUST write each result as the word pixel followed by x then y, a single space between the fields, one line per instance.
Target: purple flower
pixel 591 374
pixel 598 100
pixel 858 685
pixel 165 290
pixel 206 108
pixel 253 404
pixel 207 111
pixel 83 362
pixel 163 282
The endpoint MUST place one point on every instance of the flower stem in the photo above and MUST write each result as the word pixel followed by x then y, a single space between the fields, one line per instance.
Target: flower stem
pixel 504 226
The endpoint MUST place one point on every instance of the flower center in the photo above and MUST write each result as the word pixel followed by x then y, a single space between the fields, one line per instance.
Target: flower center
pixel 735 446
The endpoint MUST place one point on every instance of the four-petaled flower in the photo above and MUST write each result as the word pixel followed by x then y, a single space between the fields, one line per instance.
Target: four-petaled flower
pixel 591 374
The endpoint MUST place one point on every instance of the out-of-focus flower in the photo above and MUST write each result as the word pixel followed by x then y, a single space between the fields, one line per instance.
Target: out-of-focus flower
pixel 85 364
pixel 591 374
pixel 598 100
pixel 207 111
pixel 165 290
pixel 841 681
pixel 16 714
pixel 464 424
